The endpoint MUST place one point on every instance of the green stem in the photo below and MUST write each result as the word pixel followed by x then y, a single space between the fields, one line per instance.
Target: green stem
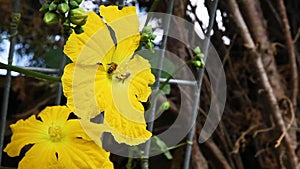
pixel 30 73
pixel 130 160
pixel 154 6
pixel 170 77
pixel 176 146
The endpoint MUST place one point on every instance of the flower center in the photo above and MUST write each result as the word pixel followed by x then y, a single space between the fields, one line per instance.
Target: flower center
pixel 55 133
pixel 123 76
pixel 121 73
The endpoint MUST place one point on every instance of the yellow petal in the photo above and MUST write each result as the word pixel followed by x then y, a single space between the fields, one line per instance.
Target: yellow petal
pixel 112 13
pixel 41 156
pixel 126 103
pixel 142 77
pixel 94 130
pixel 79 88
pixel 55 114
pixel 26 132
pixel 125 48
pixel 90 46
pixel 67 84
pixel 126 116
pixel 79 153
pixel 103 89
pixel 126 27
pixel 73 129
pixel 125 130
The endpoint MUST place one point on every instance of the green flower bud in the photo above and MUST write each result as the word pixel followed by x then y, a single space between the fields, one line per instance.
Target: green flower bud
pixel 51 18
pixel 78 16
pixel 147 29
pixel 44 8
pixel 63 8
pixel 198 63
pixel 78 29
pixel 144 37
pixel 200 55
pixel 78 1
pixel 73 4
pixel 165 106
pixel 197 50
pixel 52 6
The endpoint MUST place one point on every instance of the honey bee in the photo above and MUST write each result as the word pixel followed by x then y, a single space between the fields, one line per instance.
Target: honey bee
pixel 112 67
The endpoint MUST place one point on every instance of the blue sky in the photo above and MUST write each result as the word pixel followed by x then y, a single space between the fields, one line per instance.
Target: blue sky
pixel 17 60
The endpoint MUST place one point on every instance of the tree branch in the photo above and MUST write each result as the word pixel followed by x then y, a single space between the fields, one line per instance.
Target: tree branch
pixel 291 51
pixel 264 80
pixel 217 153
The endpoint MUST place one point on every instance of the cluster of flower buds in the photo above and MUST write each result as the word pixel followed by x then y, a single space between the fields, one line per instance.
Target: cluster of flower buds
pixel 147 38
pixel 198 58
pixel 68 12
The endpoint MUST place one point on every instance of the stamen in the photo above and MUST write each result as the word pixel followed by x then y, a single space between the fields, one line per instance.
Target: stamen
pixel 123 77
pixel 55 133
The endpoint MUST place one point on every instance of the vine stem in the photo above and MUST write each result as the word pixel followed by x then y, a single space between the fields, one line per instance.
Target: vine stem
pixel 29 72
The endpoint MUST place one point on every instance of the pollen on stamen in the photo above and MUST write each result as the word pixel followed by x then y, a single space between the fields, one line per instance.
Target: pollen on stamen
pixel 55 133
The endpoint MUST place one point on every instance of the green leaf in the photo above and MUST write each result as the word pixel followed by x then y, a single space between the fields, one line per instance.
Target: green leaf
pixel 166 88
pixel 158 143
pixel 53 58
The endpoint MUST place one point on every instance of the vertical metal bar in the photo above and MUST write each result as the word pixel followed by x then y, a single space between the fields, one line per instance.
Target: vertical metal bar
pixel 59 88
pixel 145 162
pixel 13 29
pixel 199 84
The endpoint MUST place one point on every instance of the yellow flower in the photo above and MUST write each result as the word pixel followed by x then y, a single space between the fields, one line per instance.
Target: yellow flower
pixel 58 143
pixel 104 77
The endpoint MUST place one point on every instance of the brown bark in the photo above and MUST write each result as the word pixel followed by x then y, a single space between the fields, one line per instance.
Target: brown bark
pixel 257 26
pixel 198 161
pixel 218 154
pixel 256 56
pixel 258 29
pixel 291 51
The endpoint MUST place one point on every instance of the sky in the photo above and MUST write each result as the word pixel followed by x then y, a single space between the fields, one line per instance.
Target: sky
pixel 17 60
